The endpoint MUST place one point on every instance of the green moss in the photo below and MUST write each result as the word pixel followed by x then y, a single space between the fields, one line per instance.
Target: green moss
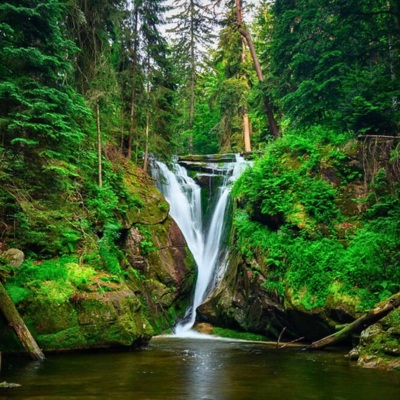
pixel 300 212
pixel 68 339
pixel 232 334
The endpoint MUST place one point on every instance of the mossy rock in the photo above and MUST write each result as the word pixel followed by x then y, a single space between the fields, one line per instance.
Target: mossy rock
pixel 380 344
pixel 67 339
pixel 50 318
pixel 153 208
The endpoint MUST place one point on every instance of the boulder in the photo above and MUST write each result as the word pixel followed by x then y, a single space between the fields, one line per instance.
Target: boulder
pixel 14 257
pixel 379 345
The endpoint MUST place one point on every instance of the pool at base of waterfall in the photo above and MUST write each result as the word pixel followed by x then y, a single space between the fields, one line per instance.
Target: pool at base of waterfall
pixel 174 368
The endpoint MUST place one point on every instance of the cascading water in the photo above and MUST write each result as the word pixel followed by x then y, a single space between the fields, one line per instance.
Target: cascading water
pixel 204 240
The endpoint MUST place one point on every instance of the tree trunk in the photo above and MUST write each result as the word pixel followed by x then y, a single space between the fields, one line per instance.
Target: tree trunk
pixel 146 138
pixel 13 318
pixel 121 146
pixel 367 319
pixel 246 131
pixel 99 149
pixel 192 79
pixel 133 93
pixel 146 144
pixel 273 126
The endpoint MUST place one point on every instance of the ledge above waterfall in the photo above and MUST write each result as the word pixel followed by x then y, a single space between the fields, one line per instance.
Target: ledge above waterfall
pixel 208 158
pixel 212 164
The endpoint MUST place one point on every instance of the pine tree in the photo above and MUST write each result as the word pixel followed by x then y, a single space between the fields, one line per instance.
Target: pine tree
pixel 337 62
pixel 194 32
pixel 39 111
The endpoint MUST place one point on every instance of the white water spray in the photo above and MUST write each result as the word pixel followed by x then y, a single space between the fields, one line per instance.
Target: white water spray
pixel 205 242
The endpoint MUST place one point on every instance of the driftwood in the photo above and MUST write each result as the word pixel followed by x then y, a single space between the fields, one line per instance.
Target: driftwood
pixel 13 318
pixel 367 319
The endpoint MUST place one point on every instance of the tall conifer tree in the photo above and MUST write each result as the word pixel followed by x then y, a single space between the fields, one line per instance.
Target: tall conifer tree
pixel 194 32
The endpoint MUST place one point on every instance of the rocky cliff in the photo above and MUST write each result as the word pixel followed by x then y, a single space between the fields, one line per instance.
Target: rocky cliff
pixel 77 304
pixel 315 244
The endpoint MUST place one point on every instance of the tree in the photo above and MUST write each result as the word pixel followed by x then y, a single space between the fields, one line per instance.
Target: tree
pixel 242 29
pixel 40 113
pixel 194 31
pixel 155 49
pixel 335 62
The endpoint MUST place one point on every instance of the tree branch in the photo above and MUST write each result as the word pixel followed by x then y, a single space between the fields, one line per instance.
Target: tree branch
pixel 367 319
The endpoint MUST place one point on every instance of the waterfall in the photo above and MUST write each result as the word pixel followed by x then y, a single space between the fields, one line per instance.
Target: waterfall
pixel 204 239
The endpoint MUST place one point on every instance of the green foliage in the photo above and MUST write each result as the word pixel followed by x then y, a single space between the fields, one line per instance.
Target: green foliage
pixel 146 245
pixel 232 334
pixel 286 182
pixel 288 216
pixel 334 62
pixel 49 282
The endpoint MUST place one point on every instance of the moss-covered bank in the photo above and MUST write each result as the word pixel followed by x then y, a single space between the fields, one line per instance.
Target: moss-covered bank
pixel 127 277
pixel 316 238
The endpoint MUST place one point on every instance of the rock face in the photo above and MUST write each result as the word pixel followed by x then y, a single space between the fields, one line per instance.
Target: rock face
pixel 243 302
pixel 256 296
pixel 380 344
pixel 113 318
pixel 119 311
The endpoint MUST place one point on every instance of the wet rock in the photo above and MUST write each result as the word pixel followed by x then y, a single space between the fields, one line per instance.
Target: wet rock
pixel 243 303
pixel 151 206
pixel 204 328
pixel 110 316
pixel 210 158
pixel 379 345
pixel 7 385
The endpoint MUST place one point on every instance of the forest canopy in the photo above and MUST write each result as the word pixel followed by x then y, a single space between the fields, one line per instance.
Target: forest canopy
pixel 89 86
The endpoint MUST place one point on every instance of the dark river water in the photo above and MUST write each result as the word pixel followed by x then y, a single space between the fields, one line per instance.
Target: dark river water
pixel 171 368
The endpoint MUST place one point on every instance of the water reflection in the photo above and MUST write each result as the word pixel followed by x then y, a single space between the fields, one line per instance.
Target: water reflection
pixel 175 369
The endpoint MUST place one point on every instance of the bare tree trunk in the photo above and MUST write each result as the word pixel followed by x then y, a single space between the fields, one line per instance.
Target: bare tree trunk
pixel 133 94
pixel 192 78
pixel 121 145
pixel 246 131
pixel 273 126
pixel 146 138
pixel 367 319
pixel 13 318
pixel 99 147
pixel 146 145
pixel 245 116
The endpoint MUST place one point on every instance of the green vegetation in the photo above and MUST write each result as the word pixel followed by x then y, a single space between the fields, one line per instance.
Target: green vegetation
pixel 89 90
pixel 232 334
pixel 51 281
pixel 291 214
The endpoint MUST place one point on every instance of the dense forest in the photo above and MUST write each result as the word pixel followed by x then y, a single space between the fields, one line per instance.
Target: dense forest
pixel 91 90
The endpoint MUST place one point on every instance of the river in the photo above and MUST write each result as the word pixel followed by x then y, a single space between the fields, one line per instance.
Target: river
pixel 195 369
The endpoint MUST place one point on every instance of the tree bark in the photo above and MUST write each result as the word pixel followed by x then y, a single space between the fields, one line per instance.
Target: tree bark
pixel 13 318
pixel 367 319
pixel 146 135
pixel 133 92
pixel 146 144
pixel 99 147
pixel 192 78
pixel 246 131
pixel 273 126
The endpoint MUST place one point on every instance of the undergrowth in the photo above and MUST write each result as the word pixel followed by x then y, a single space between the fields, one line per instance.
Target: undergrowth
pixel 50 282
pixel 290 216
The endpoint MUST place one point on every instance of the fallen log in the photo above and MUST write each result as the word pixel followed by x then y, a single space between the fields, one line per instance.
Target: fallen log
pixel 367 319
pixel 13 318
